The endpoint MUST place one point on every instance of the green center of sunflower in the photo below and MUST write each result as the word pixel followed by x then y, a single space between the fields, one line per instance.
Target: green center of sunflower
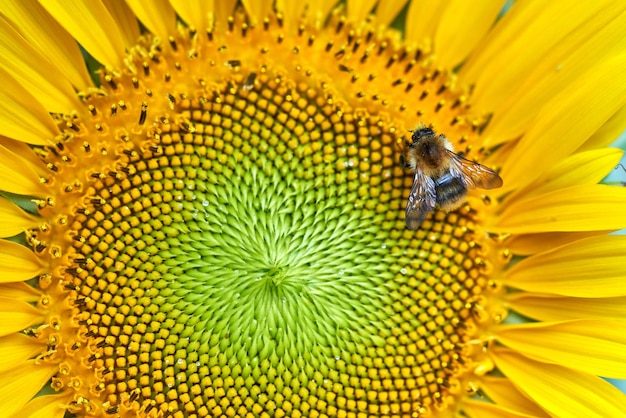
pixel 239 242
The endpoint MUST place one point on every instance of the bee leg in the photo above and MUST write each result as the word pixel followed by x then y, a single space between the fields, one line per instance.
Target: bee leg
pixel 404 162
pixel 407 143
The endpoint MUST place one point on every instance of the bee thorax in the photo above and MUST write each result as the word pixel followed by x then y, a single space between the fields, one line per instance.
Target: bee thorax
pixel 432 156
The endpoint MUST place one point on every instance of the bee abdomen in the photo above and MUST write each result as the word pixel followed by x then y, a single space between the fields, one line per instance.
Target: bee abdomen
pixel 450 192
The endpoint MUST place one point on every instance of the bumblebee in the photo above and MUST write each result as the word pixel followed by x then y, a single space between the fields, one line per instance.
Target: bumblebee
pixel 442 177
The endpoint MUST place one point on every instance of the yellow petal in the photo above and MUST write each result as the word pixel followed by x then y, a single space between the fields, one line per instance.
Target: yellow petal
pixel 25 153
pixel 49 38
pixel 608 132
pixel 588 167
pixel 47 406
pixel 18 176
pixel 199 14
pixel 422 19
pixel 91 24
pixel 503 61
pixel 481 409
pixel 592 267
pixel 22 117
pixel 500 154
pixel 224 9
pixel 16 315
pixel 569 119
pixel 13 220
pixel 292 12
pixel 600 37
pixel 157 15
pixel 34 73
pixel 125 19
pixel 561 391
pixel 318 11
pixel 359 10
pixel 17 263
pixel 526 244
pixel 559 308
pixel 577 208
pixel 21 383
pixel 596 347
pixel 17 348
pixel 19 291
pixel 387 10
pixel 504 393
pixel 462 25
pixel 257 10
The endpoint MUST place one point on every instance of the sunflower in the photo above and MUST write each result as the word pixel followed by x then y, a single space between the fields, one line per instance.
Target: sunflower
pixel 214 225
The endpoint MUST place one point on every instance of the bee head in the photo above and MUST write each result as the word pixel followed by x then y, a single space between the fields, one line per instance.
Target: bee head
pixel 420 133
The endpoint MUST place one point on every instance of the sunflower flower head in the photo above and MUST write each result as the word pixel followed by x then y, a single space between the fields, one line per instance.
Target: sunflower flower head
pixel 219 229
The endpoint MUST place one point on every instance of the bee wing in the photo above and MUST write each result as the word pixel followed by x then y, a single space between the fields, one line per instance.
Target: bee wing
pixel 422 200
pixel 473 174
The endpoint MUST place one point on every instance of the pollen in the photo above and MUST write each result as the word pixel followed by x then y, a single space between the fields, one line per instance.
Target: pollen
pixel 227 233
